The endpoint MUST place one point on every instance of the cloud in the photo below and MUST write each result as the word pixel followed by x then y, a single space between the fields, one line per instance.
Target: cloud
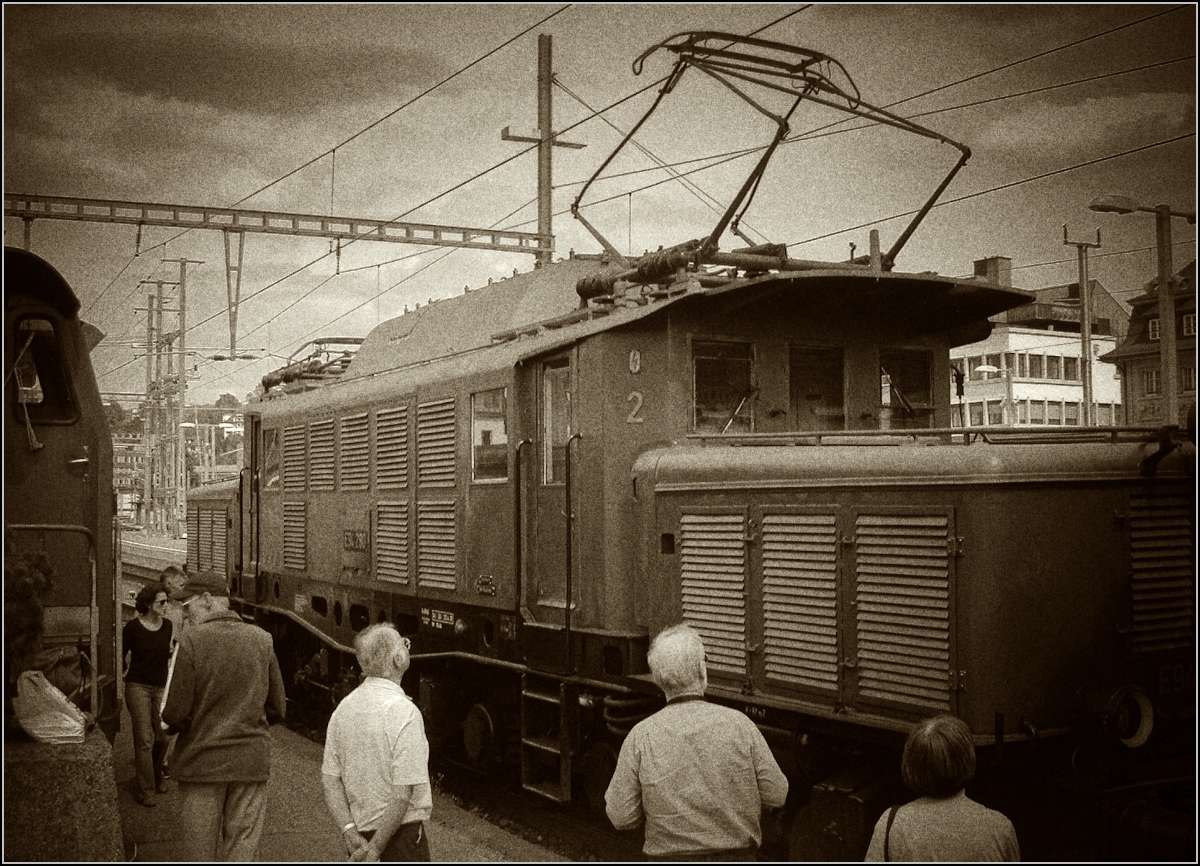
pixel 1096 124
pixel 230 59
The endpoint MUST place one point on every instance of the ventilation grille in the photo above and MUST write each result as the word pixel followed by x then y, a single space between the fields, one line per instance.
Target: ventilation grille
pixel 903 595
pixel 435 545
pixel 1163 572
pixel 320 455
pixel 799 561
pixel 391 447
pixel 295 458
pixel 391 541
pixel 435 444
pixel 295 526
pixel 193 538
pixel 354 462
pixel 206 539
pixel 713 566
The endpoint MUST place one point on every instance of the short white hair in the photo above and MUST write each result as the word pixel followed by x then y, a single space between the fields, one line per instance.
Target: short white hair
pixel 676 660
pixel 375 647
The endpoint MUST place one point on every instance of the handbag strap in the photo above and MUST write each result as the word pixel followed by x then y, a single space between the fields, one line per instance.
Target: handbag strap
pixel 887 834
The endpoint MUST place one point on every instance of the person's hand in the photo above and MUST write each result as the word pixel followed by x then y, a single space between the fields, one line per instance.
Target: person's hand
pixel 354 841
pixel 368 853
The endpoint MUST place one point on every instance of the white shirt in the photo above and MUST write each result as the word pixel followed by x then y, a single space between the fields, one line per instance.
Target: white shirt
pixel 699 774
pixel 376 739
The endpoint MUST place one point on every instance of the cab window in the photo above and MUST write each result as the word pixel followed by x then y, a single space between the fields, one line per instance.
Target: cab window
pixel 37 376
pixel 489 435
pixel 722 390
pixel 905 389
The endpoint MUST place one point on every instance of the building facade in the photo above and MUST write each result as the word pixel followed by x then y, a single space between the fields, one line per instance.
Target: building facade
pixel 1036 352
pixel 1139 355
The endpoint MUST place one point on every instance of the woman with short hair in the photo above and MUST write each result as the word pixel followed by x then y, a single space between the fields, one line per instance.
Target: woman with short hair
pixel 943 823
pixel 146 640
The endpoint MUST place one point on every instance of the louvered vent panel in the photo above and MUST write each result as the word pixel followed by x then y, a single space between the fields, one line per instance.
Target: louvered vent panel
pixel 435 544
pixel 204 539
pixel 391 541
pixel 193 539
pixel 799 562
pixel 295 529
pixel 435 444
pixel 320 455
pixel 220 538
pixel 1163 572
pixel 354 458
pixel 391 447
pixel 713 576
pixel 295 457
pixel 903 595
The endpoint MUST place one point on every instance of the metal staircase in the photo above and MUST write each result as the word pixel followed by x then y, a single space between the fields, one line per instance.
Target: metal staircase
pixel 549 732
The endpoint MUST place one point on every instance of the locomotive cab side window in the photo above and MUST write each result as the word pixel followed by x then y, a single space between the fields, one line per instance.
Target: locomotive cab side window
pixel 489 435
pixel 556 419
pixel 817 385
pixel 42 387
pixel 905 389
pixel 723 387
pixel 270 463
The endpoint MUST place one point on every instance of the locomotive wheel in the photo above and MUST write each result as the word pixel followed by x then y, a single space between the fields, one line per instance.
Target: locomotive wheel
pixel 479 738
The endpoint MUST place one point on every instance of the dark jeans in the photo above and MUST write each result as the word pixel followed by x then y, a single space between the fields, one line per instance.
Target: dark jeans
pixel 409 844
pixel 149 740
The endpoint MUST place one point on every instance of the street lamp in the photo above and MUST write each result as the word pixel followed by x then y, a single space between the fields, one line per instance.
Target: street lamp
pixel 1008 409
pixel 1169 358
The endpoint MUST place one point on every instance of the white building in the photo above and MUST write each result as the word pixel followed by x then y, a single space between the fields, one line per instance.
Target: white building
pixel 1037 351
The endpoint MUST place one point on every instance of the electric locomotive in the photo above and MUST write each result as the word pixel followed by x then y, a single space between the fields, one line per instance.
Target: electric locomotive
pixel 533 478
pixel 58 493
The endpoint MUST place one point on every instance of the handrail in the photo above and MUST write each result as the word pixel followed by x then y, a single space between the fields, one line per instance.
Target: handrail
pixel 518 532
pixel 991 435
pixel 570 515
pixel 94 611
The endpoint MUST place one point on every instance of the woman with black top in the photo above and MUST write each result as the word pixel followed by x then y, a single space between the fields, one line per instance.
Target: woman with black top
pixel 147 642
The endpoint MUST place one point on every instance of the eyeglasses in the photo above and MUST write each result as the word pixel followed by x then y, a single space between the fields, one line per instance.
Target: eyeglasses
pixel 161 601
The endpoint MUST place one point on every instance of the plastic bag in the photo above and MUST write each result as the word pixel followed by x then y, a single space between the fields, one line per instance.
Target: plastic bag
pixel 46 713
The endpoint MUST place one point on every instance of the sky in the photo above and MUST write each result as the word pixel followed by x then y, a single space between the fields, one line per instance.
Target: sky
pixel 389 111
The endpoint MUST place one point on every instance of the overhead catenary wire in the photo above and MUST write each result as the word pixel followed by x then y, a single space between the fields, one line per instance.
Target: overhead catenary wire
pixel 792 13
pixel 346 141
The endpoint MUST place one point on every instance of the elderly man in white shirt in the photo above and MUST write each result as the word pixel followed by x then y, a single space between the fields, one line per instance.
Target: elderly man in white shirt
pixel 698 774
pixel 376 765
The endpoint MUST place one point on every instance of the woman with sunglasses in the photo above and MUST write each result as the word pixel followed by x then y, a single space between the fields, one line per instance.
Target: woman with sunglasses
pixel 147 643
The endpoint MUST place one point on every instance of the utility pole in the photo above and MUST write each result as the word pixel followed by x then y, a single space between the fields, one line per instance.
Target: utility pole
pixel 148 451
pixel 180 503
pixel 1166 315
pixel 545 140
pixel 1085 323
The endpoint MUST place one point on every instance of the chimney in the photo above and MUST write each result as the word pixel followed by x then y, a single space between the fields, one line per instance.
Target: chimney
pixel 995 269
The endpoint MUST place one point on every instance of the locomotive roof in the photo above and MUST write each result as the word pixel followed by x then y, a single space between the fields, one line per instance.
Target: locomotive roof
pixel 499 326
pixel 693 467
pixel 37 277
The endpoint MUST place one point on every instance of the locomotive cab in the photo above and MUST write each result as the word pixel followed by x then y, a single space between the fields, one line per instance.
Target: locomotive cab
pixel 58 492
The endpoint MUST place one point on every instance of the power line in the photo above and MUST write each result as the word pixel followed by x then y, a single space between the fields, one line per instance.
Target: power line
pixel 1002 186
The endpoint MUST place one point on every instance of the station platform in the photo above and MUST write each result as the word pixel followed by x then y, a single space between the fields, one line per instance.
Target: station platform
pixel 298 826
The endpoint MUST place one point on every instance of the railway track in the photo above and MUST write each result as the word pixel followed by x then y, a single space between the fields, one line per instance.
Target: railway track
pixel 141 562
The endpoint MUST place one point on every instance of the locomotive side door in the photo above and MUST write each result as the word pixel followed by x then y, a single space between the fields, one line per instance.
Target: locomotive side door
pixel 900 601
pixel 548 536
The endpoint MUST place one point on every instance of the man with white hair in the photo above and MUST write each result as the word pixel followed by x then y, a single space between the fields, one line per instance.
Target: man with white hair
pixel 376 767
pixel 698 774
